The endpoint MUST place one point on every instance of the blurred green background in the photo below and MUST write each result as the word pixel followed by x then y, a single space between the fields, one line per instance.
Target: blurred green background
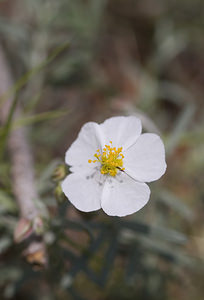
pixel 81 60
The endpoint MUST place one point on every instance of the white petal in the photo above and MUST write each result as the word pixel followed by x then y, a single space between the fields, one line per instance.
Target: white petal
pixel 145 160
pixel 123 196
pixel 122 131
pixel 90 139
pixel 83 191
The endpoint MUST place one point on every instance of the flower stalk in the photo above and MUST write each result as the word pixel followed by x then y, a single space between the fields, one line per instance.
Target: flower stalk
pixel 22 167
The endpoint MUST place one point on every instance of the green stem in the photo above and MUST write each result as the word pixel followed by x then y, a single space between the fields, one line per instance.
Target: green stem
pixel 16 87
pixel 7 127
pixel 28 75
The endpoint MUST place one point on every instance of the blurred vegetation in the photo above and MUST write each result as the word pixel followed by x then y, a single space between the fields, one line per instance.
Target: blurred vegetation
pixel 82 60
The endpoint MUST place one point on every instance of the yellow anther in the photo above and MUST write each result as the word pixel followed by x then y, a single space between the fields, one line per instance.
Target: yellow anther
pixel 111 160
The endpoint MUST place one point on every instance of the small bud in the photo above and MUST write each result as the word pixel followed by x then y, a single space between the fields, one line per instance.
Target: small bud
pixel 59 173
pixel 38 225
pixel 59 195
pixel 23 230
pixel 35 254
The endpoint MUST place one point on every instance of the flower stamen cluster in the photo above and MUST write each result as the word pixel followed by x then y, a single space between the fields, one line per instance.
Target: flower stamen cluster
pixel 111 159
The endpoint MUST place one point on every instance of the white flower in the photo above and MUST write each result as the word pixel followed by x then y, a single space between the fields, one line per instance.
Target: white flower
pixel 110 163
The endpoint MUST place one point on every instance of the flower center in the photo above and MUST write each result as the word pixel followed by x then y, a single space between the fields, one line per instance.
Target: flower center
pixel 111 159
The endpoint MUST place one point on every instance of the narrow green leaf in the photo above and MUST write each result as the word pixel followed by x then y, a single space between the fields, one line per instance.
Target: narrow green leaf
pixel 31 73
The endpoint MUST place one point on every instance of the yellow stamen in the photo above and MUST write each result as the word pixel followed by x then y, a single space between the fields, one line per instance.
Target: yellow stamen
pixel 111 160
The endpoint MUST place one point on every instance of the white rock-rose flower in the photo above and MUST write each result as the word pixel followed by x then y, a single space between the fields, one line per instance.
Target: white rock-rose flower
pixel 110 163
